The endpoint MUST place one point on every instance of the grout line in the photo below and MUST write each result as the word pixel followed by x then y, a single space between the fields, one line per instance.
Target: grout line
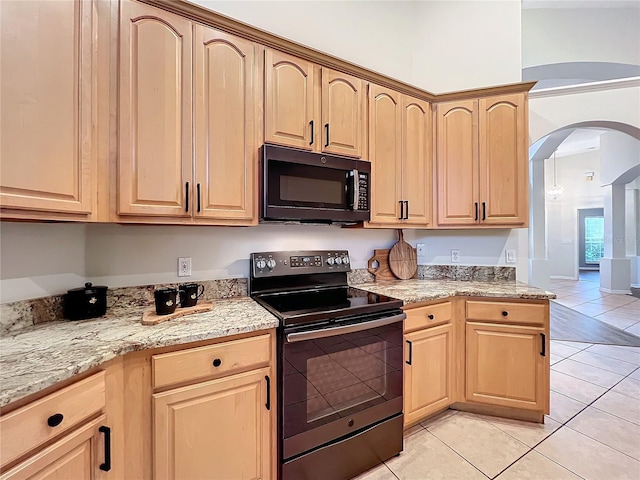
pixel 595 366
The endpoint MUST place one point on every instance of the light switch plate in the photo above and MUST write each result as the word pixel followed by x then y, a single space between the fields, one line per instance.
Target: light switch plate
pixel 421 250
pixel 510 256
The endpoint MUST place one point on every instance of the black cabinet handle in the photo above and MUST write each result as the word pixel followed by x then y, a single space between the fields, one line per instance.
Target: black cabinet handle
pixel 505 313
pixel 217 362
pixel 198 188
pixel 268 404
pixel 312 134
pixel 430 317
pixel 401 210
pixel 476 204
pixel 327 142
pixel 55 420
pixel 186 204
pixel 406 210
pixel 106 466
pixel 543 350
pixel 408 362
pixel 484 211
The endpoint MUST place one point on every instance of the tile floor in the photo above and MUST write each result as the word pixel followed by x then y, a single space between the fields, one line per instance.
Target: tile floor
pixel 592 431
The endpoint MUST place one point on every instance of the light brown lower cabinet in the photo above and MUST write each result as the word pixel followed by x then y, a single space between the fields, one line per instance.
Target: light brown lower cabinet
pixel 428 379
pixel 218 429
pixel 506 365
pixel 73 457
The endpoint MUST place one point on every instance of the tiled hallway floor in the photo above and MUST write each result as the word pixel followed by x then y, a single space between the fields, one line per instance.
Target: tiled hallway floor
pixel 592 432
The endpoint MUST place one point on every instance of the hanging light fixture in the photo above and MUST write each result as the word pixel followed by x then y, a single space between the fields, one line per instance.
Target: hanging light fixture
pixel 556 190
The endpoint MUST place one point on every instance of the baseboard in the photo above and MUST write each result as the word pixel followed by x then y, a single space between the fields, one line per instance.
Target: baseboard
pixel 618 292
pixel 561 277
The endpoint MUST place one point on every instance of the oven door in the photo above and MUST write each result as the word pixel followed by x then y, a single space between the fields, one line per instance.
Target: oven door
pixel 340 379
pixel 307 186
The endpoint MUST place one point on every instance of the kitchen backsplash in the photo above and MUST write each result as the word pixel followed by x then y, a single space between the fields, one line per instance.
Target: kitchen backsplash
pixel 15 316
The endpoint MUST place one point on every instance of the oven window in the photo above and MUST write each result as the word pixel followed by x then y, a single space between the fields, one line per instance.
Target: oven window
pixel 331 378
pixel 299 185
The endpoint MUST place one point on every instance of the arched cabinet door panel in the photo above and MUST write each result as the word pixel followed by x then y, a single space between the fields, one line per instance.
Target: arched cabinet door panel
pixel 504 162
pixel 154 158
pixel 290 116
pixel 226 153
pixel 457 163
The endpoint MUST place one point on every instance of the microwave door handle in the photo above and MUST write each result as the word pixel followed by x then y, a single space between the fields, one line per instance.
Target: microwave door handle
pixel 355 189
pixel 344 329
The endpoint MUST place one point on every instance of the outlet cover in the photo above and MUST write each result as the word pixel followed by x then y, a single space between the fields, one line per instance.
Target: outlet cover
pixel 510 256
pixel 421 250
pixel 184 266
pixel 455 256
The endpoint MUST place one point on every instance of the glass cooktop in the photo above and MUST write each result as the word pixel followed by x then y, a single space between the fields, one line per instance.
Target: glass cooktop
pixel 325 303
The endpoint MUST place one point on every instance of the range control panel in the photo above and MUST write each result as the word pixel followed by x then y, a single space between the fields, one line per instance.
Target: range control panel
pixel 266 264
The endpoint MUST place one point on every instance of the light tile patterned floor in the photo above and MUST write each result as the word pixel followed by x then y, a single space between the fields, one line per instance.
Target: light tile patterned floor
pixel 592 431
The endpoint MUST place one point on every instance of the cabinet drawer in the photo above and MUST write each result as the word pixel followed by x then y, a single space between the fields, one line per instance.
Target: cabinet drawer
pixel 428 316
pixel 504 312
pixel 37 422
pixel 213 360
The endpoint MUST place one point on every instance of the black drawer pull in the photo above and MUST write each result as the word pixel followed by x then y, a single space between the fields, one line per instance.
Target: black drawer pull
pixel 406 208
pixel 408 362
pixel 55 420
pixel 217 362
pixel 401 217
pixel 543 350
pixel 476 204
pixel 484 211
pixel 312 132
pixel 186 198
pixel 106 466
pixel 505 313
pixel 327 127
pixel 430 316
pixel 198 188
pixel 268 404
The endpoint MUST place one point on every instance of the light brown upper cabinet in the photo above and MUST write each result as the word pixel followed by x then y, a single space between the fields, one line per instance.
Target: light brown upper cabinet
pixel 47 108
pixel 312 107
pixel 482 162
pixel 399 150
pixel 160 173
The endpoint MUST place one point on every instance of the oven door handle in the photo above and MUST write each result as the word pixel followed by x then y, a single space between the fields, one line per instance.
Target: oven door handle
pixel 330 332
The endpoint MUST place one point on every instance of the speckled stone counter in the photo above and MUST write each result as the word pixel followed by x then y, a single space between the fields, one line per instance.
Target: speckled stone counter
pixel 415 290
pixel 40 356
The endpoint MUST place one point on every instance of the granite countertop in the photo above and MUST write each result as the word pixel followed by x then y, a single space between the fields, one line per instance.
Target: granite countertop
pixel 42 355
pixel 416 290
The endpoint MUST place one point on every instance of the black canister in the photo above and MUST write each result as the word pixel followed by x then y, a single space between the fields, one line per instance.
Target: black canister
pixel 87 302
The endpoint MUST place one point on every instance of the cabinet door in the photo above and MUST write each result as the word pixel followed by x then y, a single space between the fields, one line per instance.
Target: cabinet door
pixel 47 106
pixel 429 376
pixel 385 151
pixel 75 456
pixel 154 164
pixel 216 430
pixel 225 114
pixel 505 365
pixel 290 116
pixel 417 180
pixel 457 163
pixel 504 160
pixel 342 113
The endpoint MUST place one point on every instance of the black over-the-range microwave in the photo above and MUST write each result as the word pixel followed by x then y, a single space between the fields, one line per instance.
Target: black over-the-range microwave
pixel 302 186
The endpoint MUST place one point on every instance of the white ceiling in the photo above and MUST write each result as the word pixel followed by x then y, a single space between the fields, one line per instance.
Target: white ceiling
pixel 581 140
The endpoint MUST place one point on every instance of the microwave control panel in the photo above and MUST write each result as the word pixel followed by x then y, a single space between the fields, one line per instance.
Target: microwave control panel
pixel 363 191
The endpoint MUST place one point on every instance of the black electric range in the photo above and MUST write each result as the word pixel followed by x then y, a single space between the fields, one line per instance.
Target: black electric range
pixel 340 364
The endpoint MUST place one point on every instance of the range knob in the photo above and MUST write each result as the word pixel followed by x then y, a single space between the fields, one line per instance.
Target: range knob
pixel 271 263
pixel 330 261
pixel 338 260
pixel 261 263
pixel 345 259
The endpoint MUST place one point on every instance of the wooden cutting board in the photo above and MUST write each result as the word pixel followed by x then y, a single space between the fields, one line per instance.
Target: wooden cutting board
pixel 382 272
pixel 150 317
pixel 403 260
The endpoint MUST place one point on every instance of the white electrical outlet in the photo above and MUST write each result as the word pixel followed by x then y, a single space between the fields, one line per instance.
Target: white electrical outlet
pixel 421 250
pixel 455 256
pixel 184 266
pixel 510 256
